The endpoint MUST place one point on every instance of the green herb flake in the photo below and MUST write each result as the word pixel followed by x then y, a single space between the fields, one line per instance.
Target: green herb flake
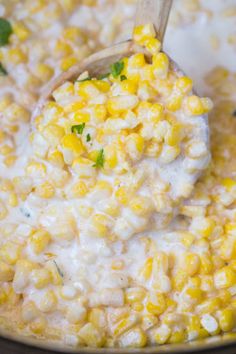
pixel 58 269
pixel 100 159
pixel 123 77
pixel 78 129
pixel 103 76
pixel 5 31
pixel 234 113
pixel 88 137
pixel 117 68
pixel 3 71
pixel 86 79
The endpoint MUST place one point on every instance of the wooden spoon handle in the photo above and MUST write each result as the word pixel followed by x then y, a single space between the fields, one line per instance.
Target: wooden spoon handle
pixel 154 11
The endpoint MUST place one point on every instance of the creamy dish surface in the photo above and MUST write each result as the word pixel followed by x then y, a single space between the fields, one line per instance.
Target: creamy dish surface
pixel 104 238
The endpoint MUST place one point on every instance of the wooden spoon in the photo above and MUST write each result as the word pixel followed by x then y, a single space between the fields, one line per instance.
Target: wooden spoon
pixel 148 11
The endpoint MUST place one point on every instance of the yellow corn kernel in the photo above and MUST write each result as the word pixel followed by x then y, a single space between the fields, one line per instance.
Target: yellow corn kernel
pixel 53 133
pixel 56 158
pixel 102 85
pixel 136 61
pixel 29 312
pixel 97 317
pixel 3 210
pixel 135 146
pixel 111 160
pixel 207 104
pixel 79 189
pixel 229 184
pixel 146 271
pixel 40 278
pixel 56 276
pixel 13 200
pixel 224 278
pixel 192 263
pixel 10 252
pixel 134 338
pixel 39 240
pixel 227 249
pixel 5 101
pixel 63 49
pixel 136 294
pixel 99 112
pixel 92 336
pixel 73 107
pixel 119 104
pixel 6 149
pixel 226 319
pixel 153 148
pixel 177 336
pixel 156 303
pixel 128 86
pixel 173 135
pixel 194 324
pixel 68 62
pixel 63 91
pixel 169 153
pixel 141 205
pixel 193 106
pixel 72 33
pixel 204 226
pixel 206 265
pixel 147 73
pixel 210 324
pixel 124 323
pixel 174 102
pixel 79 117
pixel 103 186
pixel 137 306
pixel 10 160
pixel 117 264
pixel 45 190
pixel 100 224
pixel 194 294
pixel 48 302
pixel 3 296
pixel 44 72
pixel 153 45
pixel 84 167
pixel 122 195
pixel 73 143
pixel 183 84
pixel 146 91
pixel 187 238
pixel 36 169
pixel 6 272
pixel 16 56
pixel 38 326
pixel 160 64
pixel 16 113
pixel 179 280
pixel 160 335
pixel 87 90
pixel 209 306
pixel 23 269
pixel 143 32
pixel 21 31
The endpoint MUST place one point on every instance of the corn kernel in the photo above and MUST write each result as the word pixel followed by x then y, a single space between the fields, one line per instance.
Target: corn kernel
pixel 92 336
pixel 134 338
pixel 224 278
pixel 160 64
pixel 39 240
pixel 156 303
